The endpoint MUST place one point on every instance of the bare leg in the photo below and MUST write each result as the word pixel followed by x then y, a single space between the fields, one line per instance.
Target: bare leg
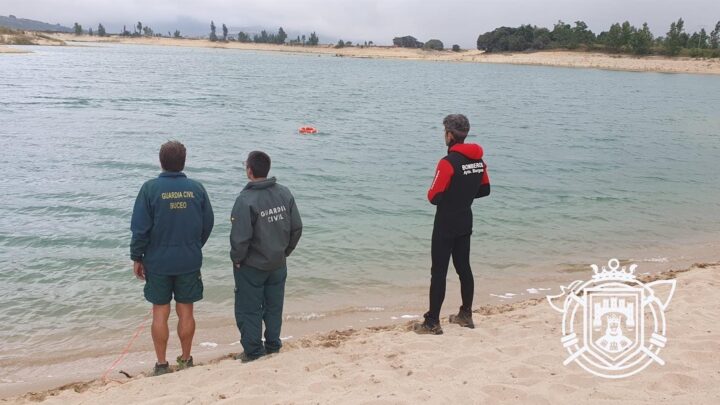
pixel 160 332
pixel 185 328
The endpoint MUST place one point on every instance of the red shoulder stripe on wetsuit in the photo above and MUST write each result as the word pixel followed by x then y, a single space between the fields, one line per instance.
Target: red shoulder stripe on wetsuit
pixel 440 184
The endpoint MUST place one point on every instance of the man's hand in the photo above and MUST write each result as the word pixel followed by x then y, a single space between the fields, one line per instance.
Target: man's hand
pixel 139 270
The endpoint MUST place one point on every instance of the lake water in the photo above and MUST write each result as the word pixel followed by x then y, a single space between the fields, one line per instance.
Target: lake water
pixel 584 164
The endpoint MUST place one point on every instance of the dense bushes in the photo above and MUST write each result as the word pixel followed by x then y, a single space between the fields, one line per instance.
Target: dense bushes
pixel 620 38
pixel 434 44
pixel 407 42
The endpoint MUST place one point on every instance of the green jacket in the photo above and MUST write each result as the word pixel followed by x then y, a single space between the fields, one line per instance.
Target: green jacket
pixel 171 221
pixel 266 226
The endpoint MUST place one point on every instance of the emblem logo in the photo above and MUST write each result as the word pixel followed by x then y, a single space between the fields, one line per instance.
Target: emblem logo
pixel 613 324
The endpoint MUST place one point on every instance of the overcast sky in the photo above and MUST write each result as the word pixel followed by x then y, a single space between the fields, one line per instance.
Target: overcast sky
pixel 452 21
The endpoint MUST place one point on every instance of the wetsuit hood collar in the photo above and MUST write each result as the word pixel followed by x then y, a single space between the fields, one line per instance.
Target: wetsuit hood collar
pixel 470 150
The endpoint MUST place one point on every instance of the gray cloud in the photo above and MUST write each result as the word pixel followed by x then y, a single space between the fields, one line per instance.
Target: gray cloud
pixel 453 21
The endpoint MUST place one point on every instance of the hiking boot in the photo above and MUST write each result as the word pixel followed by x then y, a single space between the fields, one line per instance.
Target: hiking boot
pixel 183 364
pixel 427 328
pixel 463 318
pixel 244 358
pixel 161 369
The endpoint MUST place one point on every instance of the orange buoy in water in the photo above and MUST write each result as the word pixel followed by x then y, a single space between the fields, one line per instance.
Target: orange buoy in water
pixel 307 130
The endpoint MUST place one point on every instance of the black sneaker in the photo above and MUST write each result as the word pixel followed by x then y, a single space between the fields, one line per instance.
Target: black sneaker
pixel 244 358
pixel 161 369
pixel 272 351
pixel 427 328
pixel 463 318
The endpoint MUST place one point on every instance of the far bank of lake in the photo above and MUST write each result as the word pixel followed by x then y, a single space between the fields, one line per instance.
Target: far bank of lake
pixel 571 59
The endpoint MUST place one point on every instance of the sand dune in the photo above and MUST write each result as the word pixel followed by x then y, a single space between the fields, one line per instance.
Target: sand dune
pixel 514 356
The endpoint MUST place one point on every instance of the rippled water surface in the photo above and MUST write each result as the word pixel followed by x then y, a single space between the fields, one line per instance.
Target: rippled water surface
pixel 583 163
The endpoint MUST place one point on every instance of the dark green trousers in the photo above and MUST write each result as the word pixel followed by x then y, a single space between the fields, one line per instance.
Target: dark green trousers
pixel 259 297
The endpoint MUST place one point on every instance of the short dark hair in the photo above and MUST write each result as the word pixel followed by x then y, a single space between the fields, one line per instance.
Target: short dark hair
pixel 259 163
pixel 172 156
pixel 458 125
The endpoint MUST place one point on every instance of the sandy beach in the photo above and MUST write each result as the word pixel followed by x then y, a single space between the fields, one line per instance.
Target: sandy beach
pixel 513 356
pixel 347 328
pixel 569 59
pixel 8 49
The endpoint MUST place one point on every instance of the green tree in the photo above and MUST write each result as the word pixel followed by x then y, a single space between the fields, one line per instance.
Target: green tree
pixel 699 40
pixel 627 34
pixel 281 36
pixel 263 38
pixel 90 31
pixel 581 34
pixel 541 38
pixel 674 40
pixel 642 40
pixel 303 39
pixel 176 34
pixel 243 37
pixel 407 41
pixel 225 32
pixel 715 37
pixel 562 35
pixel 505 39
pixel 340 44
pixel 704 38
pixel 147 31
pixel 78 29
pixel 101 30
pixel 456 48
pixel 213 34
pixel 139 28
pixel 314 39
pixel 434 44
pixel 614 38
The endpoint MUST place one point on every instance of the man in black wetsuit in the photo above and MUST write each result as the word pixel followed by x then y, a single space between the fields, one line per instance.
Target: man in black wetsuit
pixel 460 178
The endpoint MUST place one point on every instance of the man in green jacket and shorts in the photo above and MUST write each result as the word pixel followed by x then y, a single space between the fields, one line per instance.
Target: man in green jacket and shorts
pixel 266 228
pixel 171 221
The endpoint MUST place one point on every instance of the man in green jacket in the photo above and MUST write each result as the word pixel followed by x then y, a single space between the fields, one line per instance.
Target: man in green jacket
pixel 171 221
pixel 266 228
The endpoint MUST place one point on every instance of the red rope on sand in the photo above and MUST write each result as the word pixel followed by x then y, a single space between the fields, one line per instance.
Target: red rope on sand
pixel 120 358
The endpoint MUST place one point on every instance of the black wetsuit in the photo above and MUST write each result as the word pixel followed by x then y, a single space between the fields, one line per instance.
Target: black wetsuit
pixel 461 177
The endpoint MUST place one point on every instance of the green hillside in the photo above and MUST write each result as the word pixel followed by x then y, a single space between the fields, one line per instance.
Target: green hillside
pixel 30 25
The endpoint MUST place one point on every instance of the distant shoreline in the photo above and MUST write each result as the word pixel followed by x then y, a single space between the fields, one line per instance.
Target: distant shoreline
pixel 571 59
pixel 8 49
